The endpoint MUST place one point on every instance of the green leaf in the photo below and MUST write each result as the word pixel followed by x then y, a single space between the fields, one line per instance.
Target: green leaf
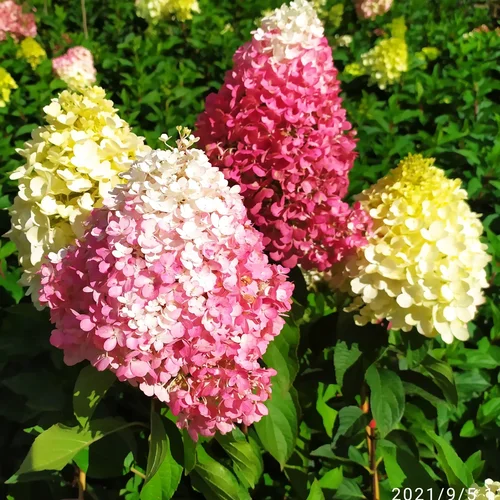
pixel 442 374
pixel 279 429
pixel 403 469
pixel 158 445
pixel 469 429
pixel 332 479
pixel 471 384
pixel 348 490
pixel 58 445
pixel 488 411
pixel 475 464
pixel 189 451
pixel 215 481
pixel 328 414
pixel 281 354
pixel 344 357
pixel 90 387
pixel 164 469
pixel 247 460
pixel 387 398
pixel 457 474
pixel 351 421
pixel 316 493
pixel 42 390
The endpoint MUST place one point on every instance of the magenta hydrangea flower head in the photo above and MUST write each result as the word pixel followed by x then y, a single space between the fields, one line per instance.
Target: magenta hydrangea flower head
pixel 170 289
pixel 15 22
pixel 277 128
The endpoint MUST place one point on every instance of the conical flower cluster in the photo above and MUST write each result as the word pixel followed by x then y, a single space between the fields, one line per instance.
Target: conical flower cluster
pixel 277 128
pixel 170 289
pixel 76 68
pixel 424 265
pixel 71 165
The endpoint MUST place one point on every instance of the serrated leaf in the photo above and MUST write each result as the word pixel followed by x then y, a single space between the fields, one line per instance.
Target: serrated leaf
pixel 247 460
pixel 387 398
pixel 90 387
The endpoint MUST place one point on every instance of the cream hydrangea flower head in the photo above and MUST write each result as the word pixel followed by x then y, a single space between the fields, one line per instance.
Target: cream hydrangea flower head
pixel 490 490
pixel 155 10
pixel 72 163
pixel 424 265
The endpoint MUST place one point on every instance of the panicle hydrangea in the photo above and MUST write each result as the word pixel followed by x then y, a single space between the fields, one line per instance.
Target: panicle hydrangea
pixel 386 62
pixel 75 68
pixel 370 9
pixel 7 84
pixel 15 22
pixel 32 51
pixel 170 289
pixel 490 491
pixel 424 265
pixel 71 165
pixel 277 128
pixel 154 11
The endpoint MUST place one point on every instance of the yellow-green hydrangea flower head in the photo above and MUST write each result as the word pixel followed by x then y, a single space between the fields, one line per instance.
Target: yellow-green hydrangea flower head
pixel 72 163
pixel 424 265
pixel 32 51
pixel 154 11
pixel 7 84
pixel 386 62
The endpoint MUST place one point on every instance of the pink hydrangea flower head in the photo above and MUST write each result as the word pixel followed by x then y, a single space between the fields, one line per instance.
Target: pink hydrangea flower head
pixel 170 289
pixel 76 67
pixel 277 128
pixel 15 22
pixel 370 9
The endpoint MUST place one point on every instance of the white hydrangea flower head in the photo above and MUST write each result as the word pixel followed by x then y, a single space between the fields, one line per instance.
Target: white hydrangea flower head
pixel 424 265
pixel 490 490
pixel 290 29
pixel 71 164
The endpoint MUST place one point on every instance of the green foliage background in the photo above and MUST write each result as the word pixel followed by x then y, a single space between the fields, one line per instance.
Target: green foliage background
pixel 437 407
